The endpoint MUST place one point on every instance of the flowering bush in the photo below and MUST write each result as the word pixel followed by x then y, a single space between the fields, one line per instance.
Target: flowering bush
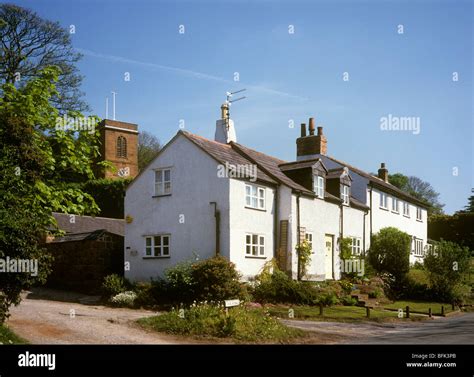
pixel 124 299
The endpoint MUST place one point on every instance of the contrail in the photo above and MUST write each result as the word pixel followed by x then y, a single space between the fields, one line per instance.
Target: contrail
pixel 182 71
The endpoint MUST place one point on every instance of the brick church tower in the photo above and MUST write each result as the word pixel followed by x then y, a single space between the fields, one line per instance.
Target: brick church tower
pixel 119 145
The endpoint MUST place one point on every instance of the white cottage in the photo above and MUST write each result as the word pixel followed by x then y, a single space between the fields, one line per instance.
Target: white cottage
pixel 200 197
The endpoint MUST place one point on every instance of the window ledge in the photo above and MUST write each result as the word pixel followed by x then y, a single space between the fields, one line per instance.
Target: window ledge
pixel 159 196
pixel 397 212
pixel 256 209
pixel 163 257
pixel 420 221
pixel 255 257
pixel 385 209
pixel 406 216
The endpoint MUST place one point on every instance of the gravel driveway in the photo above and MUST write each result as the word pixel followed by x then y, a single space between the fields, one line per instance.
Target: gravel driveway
pixel 42 319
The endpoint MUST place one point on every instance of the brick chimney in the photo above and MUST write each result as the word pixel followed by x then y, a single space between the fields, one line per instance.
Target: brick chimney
pixel 309 146
pixel 383 172
pixel 225 130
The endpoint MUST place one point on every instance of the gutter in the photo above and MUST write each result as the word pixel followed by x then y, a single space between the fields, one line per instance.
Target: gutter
pixel 217 216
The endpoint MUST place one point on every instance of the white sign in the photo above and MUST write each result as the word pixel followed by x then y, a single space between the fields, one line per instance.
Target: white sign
pixel 230 303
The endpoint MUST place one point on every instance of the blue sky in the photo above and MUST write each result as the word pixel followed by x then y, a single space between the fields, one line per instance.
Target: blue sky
pixel 290 77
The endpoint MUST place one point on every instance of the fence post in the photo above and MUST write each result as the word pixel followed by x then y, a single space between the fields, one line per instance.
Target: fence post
pixel 442 310
pixel 430 313
pixel 320 309
pixel 453 306
pixel 407 309
pixel 367 311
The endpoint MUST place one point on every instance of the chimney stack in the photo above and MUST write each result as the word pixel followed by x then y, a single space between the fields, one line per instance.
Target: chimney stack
pixel 225 131
pixel 311 126
pixel 303 129
pixel 309 146
pixel 383 172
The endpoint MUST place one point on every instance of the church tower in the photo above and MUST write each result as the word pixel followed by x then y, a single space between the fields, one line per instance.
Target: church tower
pixel 119 145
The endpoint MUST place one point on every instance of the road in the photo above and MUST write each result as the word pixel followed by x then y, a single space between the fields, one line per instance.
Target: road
pixel 457 329
pixel 45 321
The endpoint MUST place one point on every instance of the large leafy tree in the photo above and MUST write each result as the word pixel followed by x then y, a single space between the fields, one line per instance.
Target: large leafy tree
pixel 34 157
pixel 419 189
pixel 29 44
pixel 148 147
pixel 389 255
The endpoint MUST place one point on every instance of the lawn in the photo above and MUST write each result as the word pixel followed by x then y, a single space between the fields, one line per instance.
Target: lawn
pixel 337 313
pixel 206 321
pixel 9 337
pixel 421 306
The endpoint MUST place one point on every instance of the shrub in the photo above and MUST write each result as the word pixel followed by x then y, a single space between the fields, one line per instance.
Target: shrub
pixel 124 299
pixel 179 284
pixel 280 288
pixel 389 255
pixel 144 292
pixel 447 267
pixel 348 301
pixel 113 285
pixel 215 280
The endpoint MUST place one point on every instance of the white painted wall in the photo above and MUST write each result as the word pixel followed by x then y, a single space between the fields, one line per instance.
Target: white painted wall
pixel 244 220
pixel 320 218
pixel 382 218
pixel 194 185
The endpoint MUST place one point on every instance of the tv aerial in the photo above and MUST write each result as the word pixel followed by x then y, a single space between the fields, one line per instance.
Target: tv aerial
pixel 229 101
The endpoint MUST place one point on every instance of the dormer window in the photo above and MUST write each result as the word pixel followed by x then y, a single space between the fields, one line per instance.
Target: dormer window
pixel 345 195
pixel 318 186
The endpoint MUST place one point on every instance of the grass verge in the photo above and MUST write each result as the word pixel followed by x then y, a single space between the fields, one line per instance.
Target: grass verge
pixel 9 337
pixel 242 324
pixel 337 314
pixel 421 306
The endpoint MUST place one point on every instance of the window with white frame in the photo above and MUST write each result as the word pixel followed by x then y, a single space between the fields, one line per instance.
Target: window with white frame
pixel 395 205
pixel 406 209
pixel 254 245
pixel 157 246
pixel 418 250
pixel 254 196
pixel 383 200
pixel 356 246
pixel 309 238
pixel 345 194
pixel 163 182
pixel 318 186
pixel 418 214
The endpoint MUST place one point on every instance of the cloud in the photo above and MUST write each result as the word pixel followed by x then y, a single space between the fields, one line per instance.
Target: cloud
pixel 185 72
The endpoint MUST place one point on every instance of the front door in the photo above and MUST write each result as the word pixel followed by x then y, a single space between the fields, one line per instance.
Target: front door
pixel 329 255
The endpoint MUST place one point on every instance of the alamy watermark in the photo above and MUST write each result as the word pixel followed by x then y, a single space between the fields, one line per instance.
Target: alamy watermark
pixel 13 265
pixel 396 123
pixel 237 171
pixel 353 266
pixel 67 123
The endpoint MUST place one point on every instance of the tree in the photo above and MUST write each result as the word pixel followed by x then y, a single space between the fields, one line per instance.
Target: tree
pixel 33 157
pixel 419 189
pixel 469 208
pixel 389 255
pixel 148 147
pixel 447 266
pixel 29 44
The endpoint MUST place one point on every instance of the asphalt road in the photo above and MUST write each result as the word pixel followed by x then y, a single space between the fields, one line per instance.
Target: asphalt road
pixel 457 329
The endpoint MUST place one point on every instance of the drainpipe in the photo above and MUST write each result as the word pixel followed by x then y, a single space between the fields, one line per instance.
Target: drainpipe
pixel 298 234
pixel 363 231
pixel 217 216
pixel 341 236
pixel 275 224
pixel 371 212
